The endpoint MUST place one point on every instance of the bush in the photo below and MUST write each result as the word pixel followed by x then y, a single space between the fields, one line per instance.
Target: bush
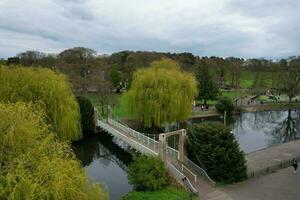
pixel 34 165
pixel 87 115
pixel 219 151
pixel 223 104
pixel 147 173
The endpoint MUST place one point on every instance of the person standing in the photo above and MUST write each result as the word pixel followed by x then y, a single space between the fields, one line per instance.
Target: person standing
pixel 295 165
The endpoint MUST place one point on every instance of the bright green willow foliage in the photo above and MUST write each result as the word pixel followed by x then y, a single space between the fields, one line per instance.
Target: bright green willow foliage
pixel 50 88
pixel 162 93
pixel 34 165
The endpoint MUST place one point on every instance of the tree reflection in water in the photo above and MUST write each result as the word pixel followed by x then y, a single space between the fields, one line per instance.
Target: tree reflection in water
pixel 99 146
pixel 288 129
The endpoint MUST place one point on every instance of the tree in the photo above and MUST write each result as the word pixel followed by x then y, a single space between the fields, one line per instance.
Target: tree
pixel 161 94
pixel 33 164
pixel 235 70
pixel 28 58
pixel 225 104
pixel 218 150
pixel 115 76
pixel 51 89
pixel 147 173
pixel 289 84
pixel 87 115
pixel 208 89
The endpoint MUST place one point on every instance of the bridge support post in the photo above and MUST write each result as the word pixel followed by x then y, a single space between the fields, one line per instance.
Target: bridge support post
pixel 163 147
pixel 181 149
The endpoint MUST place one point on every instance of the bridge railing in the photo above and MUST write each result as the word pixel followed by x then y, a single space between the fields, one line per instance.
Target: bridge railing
pixel 172 153
pixel 198 170
pixel 180 176
pixel 140 137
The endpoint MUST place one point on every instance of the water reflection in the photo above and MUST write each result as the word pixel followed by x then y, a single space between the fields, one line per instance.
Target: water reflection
pixel 259 130
pixel 105 161
pixel 288 129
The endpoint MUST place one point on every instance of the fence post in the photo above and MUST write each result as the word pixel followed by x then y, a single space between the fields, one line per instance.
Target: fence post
pixel 162 147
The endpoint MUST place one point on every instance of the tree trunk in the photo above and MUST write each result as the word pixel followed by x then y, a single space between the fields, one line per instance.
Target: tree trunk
pixel 204 101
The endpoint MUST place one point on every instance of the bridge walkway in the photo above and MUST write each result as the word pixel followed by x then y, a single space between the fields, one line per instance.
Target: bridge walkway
pixel 190 174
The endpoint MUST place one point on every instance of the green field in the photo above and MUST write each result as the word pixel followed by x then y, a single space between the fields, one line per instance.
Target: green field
pixel 248 77
pixel 170 193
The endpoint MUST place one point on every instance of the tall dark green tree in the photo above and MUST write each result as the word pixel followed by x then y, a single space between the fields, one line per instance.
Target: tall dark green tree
pixel 115 76
pixel 219 151
pixel 207 87
pixel 87 115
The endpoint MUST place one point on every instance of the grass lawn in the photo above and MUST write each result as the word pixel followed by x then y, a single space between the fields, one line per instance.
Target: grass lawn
pixel 170 193
pixel 233 94
pixel 248 77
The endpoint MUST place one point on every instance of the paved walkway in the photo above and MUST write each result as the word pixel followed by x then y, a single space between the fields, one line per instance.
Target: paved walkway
pixel 281 185
pixel 260 163
pixel 273 158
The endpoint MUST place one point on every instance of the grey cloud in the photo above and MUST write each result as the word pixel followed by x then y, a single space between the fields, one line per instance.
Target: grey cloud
pixel 257 28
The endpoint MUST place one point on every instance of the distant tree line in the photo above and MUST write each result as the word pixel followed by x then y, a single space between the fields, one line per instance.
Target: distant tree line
pixel 89 71
pixel 82 63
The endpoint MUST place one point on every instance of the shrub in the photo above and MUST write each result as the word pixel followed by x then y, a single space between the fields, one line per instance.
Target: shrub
pixel 219 151
pixel 147 173
pixel 223 104
pixel 87 115
pixel 49 88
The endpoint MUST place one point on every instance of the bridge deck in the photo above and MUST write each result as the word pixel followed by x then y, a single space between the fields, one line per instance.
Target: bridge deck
pixel 187 171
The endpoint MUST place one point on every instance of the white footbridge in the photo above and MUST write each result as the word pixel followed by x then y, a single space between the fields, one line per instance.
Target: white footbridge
pixel 179 166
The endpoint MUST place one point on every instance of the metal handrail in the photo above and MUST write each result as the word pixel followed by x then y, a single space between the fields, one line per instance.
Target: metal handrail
pixel 202 171
pixel 182 177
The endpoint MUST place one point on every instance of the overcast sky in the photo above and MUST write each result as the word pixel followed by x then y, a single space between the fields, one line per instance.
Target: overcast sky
pixel 255 28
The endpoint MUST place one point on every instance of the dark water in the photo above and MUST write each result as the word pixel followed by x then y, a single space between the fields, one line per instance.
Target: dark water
pixel 259 130
pixel 105 161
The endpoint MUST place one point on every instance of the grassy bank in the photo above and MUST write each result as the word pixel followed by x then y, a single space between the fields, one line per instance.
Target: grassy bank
pixel 170 193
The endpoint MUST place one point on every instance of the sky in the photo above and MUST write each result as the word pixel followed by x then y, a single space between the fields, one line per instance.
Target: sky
pixel 248 29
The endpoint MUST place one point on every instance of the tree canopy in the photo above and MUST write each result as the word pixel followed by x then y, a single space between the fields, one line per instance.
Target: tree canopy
pixel 289 83
pixel 33 164
pixel 216 146
pixel 161 94
pixel 208 88
pixel 49 88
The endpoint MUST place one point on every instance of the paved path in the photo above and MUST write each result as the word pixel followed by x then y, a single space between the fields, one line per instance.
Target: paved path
pixel 260 163
pixel 281 185
pixel 273 158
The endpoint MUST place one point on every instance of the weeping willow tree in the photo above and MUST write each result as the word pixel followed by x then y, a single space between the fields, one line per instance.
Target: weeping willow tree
pixel 161 94
pixel 34 165
pixel 47 87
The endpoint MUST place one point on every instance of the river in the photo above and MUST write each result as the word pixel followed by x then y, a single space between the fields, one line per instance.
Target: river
pixel 106 159
pixel 258 130
pixel 105 162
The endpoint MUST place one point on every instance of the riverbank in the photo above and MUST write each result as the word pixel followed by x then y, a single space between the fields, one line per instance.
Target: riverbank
pixel 212 112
